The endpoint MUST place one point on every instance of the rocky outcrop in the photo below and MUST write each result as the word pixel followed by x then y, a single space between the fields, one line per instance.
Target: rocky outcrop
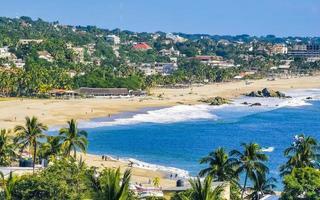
pixel 216 101
pixel 267 93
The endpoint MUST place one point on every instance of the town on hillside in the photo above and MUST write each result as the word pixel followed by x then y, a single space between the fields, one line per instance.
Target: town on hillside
pixel 39 58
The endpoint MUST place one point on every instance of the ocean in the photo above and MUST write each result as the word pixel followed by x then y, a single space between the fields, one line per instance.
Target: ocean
pixel 180 136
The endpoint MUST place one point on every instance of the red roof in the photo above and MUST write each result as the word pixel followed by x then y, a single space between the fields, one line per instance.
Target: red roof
pixel 142 46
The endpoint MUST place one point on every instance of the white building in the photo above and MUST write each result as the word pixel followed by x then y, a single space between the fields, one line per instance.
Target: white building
pixel 165 69
pixel 4 52
pixel 113 39
pixel 175 38
pixel 169 52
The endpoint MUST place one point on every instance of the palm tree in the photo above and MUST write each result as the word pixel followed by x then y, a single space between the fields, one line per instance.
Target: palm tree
pixel 28 135
pixel 7 185
pixel 51 148
pixel 202 190
pixel 221 167
pixel 251 160
pixel 262 185
pixel 304 152
pixel 7 152
pixel 109 185
pixel 73 139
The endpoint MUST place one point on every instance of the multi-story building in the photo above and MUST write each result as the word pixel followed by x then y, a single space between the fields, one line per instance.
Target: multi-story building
pixel 279 49
pixel 113 39
pixel 303 50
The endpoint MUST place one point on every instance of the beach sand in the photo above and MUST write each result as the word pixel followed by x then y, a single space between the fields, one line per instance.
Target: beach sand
pixel 57 112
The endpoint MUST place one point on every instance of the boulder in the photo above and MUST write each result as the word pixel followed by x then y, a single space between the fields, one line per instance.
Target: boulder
pixel 267 93
pixel 216 101
pixel 256 104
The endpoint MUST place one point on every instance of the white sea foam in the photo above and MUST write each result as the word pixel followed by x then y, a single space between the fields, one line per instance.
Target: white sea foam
pixel 201 112
pixel 269 149
pixel 165 115
pixel 170 171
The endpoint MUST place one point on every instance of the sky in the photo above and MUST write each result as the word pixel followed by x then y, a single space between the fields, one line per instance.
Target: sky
pixel 215 17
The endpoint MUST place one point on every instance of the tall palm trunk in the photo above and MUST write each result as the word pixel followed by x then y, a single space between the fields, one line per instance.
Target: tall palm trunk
pixel 34 155
pixel 245 184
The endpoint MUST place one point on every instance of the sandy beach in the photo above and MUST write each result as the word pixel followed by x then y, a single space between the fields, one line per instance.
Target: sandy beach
pixel 57 112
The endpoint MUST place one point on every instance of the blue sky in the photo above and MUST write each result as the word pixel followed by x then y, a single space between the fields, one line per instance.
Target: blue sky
pixel 222 17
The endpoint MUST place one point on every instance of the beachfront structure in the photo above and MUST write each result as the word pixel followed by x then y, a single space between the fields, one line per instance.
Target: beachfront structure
pixel 164 69
pixel 113 39
pixel 103 92
pixel 303 50
pixel 141 46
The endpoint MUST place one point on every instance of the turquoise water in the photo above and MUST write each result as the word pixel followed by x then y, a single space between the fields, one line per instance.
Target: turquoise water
pixel 182 144
pixel 194 131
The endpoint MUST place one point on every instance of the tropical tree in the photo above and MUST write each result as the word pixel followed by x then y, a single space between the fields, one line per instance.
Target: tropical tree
pixel 51 148
pixel 109 185
pixel 7 152
pixel 261 186
pixel 302 184
pixel 304 152
pixel 28 135
pixel 73 139
pixel 250 161
pixel 7 185
pixel 221 167
pixel 201 190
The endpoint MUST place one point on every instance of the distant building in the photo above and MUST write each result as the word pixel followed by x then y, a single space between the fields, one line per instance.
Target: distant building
pixel 169 52
pixel 45 55
pixel 279 49
pixel 215 61
pixel 141 47
pixel 28 41
pixel 310 50
pixel 165 69
pixel 4 52
pixel 113 39
pixel 175 38
pixel 79 52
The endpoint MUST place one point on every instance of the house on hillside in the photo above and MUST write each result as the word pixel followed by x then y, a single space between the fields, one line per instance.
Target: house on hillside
pixel 45 55
pixel 169 52
pixel 28 41
pixel 141 46
pixel 113 39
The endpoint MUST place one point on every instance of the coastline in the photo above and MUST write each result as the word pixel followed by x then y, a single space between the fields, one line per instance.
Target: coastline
pixel 55 112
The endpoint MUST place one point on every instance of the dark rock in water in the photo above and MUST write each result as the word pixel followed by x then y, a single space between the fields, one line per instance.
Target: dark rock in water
pixel 267 93
pixel 256 104
pixel 216 101
pixel 308 98
pixel 245 103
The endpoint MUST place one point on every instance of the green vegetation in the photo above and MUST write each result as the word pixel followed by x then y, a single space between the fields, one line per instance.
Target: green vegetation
pixel 302 183
pixel 74 57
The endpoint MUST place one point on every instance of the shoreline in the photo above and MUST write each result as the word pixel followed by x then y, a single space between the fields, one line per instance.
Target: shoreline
pixel 56 112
